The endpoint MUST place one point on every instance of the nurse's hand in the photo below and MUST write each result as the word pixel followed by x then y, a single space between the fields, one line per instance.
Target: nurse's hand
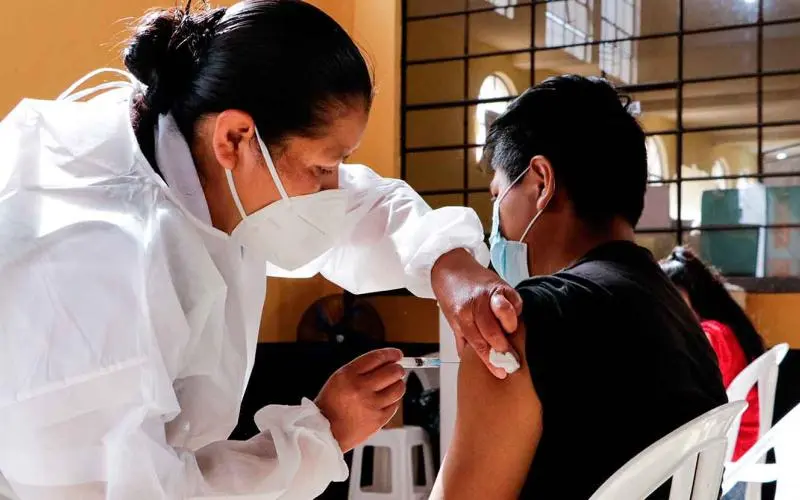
pixel 480 307
pixel 362 396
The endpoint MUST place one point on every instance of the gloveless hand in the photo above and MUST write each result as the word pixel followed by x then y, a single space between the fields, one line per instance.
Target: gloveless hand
pixel 480 307
pixel 362 396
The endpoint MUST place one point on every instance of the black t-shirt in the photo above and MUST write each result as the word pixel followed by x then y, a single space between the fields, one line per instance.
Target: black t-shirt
pixel 618 361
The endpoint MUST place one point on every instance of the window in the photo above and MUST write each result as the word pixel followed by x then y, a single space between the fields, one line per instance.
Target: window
pixel 655 160
pixel 780 161
pixel 692 192
pixel 494 86
pixel 720 169
pixel 618 21
pixel 570 22
pixel 716 88
pixel 504 7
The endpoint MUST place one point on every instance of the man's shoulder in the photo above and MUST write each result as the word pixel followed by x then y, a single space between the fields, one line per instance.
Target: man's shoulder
pixel 544 290
pixel 610 278
pixel 550 300
pixel 591 278
pixel 593 293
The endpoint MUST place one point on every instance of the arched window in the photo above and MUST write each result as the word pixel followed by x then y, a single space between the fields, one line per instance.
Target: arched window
pixel 494 86
pixel 719 169
pixel 656 160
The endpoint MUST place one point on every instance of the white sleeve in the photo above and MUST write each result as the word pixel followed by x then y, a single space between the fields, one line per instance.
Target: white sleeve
pixel 393 238
pixel 294 457
pixel 85 393
pixel 115 455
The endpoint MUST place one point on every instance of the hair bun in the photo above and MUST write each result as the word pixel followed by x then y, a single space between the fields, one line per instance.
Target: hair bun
pixel 165 50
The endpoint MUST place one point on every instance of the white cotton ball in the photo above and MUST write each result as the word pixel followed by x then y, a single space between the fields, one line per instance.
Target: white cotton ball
pixel 505 360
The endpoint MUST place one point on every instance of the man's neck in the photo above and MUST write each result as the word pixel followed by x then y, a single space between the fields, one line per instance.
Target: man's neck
pixel 569 242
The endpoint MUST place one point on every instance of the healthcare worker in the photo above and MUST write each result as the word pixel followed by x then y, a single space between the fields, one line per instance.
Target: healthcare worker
pixel 134 232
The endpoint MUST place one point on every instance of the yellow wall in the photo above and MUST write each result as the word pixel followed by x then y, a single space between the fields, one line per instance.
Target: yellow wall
pixel 775 317
pixel 376 28
pixel 342 11
pixel 741 158
pixel 697 149
pixel 408 319
pixel 48 44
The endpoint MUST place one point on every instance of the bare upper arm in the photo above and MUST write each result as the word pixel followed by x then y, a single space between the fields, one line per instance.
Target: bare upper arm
pixel 498 427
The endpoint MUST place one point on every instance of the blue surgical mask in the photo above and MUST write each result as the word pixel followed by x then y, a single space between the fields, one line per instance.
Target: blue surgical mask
pixel 509 258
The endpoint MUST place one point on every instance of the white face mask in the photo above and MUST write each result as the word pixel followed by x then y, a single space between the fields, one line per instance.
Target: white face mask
pixel 290 232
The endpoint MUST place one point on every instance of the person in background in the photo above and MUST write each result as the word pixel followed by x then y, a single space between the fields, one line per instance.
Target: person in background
pixel 611 357
pixel 730 331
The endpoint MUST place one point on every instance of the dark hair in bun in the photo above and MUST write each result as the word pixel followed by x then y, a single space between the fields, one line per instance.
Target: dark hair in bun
pixel 166 52
pixel 285 62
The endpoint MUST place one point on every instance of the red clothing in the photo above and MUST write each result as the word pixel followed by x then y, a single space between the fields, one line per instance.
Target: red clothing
pixel 731 362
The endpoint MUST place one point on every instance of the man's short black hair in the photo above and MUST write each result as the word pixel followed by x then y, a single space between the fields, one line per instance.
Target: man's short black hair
pixel 596 148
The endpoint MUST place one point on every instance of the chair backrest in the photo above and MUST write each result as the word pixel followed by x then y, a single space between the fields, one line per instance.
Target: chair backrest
pixel 784 437
pixel 763 372
pixel 692 456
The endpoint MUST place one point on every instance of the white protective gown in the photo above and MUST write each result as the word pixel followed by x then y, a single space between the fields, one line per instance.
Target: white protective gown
pixel 128 324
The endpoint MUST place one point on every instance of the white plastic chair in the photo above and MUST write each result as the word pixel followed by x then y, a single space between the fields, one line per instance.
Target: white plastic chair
pixel 762 372
pixel 393 466
pixel 784 437
pixel 693 456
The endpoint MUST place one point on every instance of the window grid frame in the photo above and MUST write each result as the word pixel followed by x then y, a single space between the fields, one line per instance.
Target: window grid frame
pixel 617 53
pixel 678 132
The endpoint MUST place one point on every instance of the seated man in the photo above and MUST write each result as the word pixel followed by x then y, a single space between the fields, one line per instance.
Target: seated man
pixel 612 358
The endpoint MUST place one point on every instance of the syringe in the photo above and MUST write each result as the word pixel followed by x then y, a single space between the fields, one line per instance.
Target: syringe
pixel 411 362
pixel 507 361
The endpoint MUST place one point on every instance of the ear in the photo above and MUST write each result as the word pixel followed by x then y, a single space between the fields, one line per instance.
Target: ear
pixel 542 172
pixel 232 132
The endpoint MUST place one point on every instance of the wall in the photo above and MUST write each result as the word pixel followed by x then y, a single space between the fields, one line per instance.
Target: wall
pixel 775 317
pixel 48 44
pixel 408 319
pixel 376 28
pixel 741 158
